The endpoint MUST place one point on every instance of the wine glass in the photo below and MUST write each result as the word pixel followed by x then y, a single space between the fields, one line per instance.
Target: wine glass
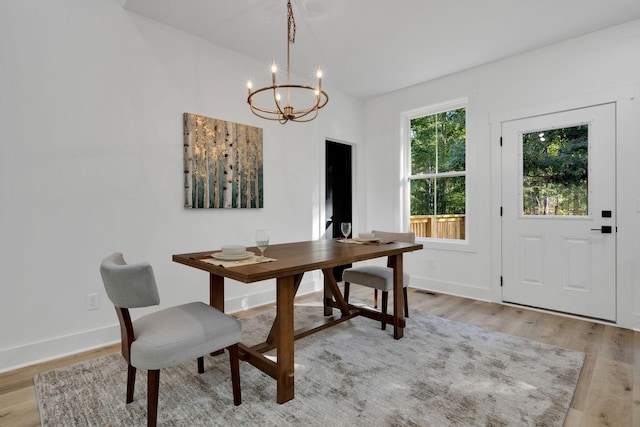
pixel 345 227
pixel 262 241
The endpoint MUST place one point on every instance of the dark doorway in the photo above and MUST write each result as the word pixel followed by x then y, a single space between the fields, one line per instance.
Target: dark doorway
pixel 338 198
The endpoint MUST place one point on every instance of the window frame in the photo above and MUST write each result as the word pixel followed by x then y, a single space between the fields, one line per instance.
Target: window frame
pixel 460 244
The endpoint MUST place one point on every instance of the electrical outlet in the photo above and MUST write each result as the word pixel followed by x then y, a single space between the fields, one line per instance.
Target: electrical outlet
pixel 92 301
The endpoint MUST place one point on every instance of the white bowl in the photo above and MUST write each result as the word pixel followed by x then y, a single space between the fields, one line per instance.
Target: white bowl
pixel 234 249
pixel 366 236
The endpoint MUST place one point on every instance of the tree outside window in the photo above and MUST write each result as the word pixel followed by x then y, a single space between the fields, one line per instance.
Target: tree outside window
pixel 438 178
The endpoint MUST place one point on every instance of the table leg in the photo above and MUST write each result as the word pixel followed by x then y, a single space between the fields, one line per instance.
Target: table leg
pixel 297 279
pixel 216 291
pixel 285 339
pixel 328 310
pixel 395 262
pixel 216 297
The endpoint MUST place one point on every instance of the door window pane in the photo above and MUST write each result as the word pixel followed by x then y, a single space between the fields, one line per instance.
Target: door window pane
pixel 555 173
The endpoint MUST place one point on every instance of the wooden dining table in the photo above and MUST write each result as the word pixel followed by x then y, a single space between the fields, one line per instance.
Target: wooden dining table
pixel 290 262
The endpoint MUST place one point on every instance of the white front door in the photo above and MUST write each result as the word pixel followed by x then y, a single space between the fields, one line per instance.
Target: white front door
pixel 558 211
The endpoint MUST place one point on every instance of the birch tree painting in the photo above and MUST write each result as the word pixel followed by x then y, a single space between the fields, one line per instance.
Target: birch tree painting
pixel 222 164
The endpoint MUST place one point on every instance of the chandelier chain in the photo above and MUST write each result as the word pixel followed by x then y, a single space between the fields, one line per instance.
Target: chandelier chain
pixel 291 24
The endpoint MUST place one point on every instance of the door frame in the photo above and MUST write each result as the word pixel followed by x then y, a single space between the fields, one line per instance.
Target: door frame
pixel 620 96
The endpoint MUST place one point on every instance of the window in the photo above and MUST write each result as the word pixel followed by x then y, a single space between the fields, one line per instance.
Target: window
pixel 437 179
pixel 555 171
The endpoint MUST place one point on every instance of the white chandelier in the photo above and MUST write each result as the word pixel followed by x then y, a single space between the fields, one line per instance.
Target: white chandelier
pixel 316 98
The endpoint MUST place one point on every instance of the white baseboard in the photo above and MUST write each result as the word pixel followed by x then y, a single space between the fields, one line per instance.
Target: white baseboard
pixel 55 348
pixel 453 288
pixel 235 305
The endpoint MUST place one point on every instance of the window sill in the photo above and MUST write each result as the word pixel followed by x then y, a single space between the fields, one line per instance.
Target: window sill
pixel 447 244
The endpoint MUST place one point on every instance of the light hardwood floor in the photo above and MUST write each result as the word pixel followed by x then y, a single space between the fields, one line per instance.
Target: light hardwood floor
pixel 608 392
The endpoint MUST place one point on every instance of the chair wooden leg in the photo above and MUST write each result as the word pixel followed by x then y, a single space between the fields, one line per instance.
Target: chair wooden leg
pixel 200 364
pixel 153 385
pixel 235 373
pixel 346 291
pixel 385 300
pixel 375 298
pixel 406 303
pixel 131 383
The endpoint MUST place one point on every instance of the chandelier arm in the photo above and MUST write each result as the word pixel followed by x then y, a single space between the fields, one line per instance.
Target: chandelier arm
pixel 289 86
pixel 305 112
pixel 264 110
pixel 299 119
pixel 283 119
pixel 323 94
pixel 276 101
pixel 320 102
pixel 276 118
pixel 278 115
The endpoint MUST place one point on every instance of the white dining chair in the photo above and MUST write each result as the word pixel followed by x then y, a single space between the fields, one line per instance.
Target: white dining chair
pixel 167 337
pixel 377 277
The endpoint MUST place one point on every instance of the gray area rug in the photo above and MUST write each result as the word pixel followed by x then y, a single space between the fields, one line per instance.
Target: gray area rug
pixel 442 373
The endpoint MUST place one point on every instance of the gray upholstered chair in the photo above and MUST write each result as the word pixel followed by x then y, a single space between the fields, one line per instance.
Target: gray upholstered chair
pixel 167 337
pixel 379 278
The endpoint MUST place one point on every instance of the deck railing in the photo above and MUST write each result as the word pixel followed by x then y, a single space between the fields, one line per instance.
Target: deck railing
pixel 441 226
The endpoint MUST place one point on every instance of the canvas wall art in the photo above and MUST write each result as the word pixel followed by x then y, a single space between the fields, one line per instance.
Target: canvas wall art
pixel 222 164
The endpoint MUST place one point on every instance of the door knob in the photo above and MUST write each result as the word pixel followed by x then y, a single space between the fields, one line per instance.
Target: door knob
pixel 605 229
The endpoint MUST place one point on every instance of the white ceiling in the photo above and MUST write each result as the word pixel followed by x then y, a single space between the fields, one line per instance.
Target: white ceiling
pixel 370 47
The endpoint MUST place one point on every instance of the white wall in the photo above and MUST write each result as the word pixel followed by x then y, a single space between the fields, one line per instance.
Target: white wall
pixel 91 104
pixel 600 67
